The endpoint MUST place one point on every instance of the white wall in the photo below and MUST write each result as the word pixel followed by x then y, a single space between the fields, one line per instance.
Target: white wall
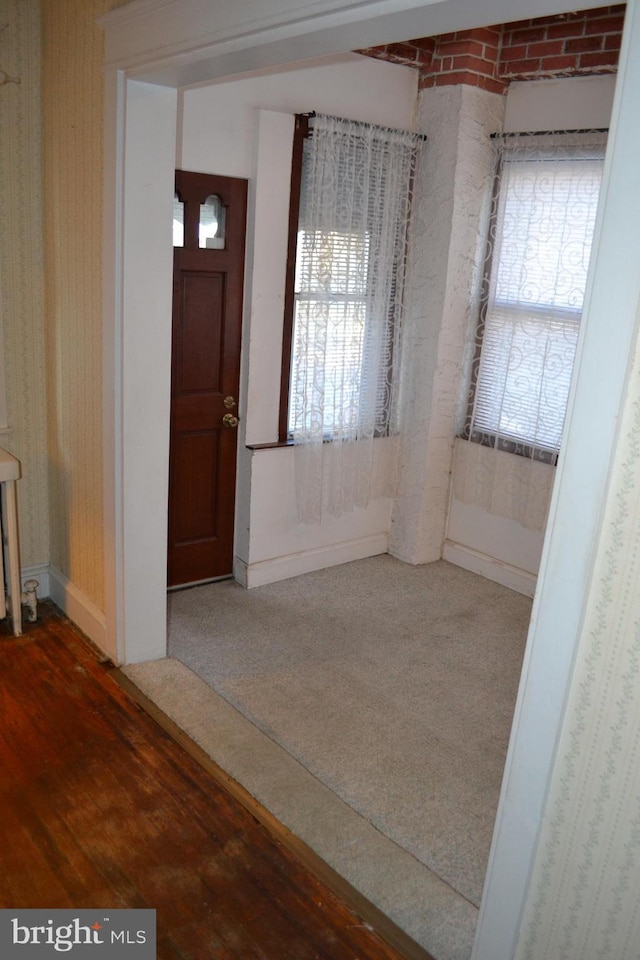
pixel 576 103
pixel 244 128
pixel 489 542
pixel 138 284
pixel 481 534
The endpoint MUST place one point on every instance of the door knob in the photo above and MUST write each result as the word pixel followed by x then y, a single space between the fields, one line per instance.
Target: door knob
pixel 229 420
pixel 229 402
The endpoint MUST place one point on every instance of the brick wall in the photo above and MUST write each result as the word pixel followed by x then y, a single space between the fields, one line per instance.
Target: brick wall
pixel 469 56
pixel 567 45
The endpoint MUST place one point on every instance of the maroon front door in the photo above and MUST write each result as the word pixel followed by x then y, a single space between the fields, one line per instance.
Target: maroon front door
pixel 208 272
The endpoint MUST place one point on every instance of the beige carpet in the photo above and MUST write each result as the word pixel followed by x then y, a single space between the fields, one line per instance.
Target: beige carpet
pixel 393 687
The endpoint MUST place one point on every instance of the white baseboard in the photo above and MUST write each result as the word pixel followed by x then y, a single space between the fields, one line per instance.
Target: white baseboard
pixel 240 571
pixel 39 572
pixel 281 568
pixel 519 580
pixel 73 602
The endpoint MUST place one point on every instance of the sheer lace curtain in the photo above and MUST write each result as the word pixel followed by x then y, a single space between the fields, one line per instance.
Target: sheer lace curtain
pixel 545 202
pixel 351 253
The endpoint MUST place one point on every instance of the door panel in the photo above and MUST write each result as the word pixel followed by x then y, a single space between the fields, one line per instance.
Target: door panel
pixel 205 372
pixel 198 460
pixel 201 346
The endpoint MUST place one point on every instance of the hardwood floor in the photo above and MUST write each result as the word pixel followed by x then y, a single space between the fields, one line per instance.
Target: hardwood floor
pixel 100 807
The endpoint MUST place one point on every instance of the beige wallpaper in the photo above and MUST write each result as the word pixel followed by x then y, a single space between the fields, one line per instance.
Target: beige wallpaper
pixel 73 129
pixel 50 273
pixel 583 901
pixel 21 269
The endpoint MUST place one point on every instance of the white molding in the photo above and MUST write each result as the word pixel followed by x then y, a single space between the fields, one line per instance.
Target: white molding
pixel 509 576
pixel 281 568
pixel 182 42
pixel 189 30
pixel 141 130
pixel 240 572
pixel 113 360
pixel 53 584
pixel 78 607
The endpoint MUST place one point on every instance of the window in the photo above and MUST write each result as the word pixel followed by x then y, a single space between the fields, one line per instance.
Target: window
pixel 212 224
pixel 345 277
pixel 351 185
pixel 545 204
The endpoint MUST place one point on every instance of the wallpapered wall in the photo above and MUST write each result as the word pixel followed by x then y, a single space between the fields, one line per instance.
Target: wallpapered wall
pixel 72 96
pixel 583 900
pixel 21 269
pixel 51 127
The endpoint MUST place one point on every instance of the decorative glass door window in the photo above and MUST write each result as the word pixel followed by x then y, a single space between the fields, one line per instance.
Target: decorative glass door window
pixel 212 224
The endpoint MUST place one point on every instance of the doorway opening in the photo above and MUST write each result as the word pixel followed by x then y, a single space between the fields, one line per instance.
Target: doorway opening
pixel 263 716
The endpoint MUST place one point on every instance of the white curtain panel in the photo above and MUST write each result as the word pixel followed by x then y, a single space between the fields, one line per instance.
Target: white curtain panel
pixel 545 202
pixel 516 488
pixel 351 256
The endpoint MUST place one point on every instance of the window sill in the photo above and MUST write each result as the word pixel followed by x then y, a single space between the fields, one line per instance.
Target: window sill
pixel 274 445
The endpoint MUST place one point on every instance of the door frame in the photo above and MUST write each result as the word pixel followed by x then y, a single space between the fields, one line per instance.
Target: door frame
pixel 140 146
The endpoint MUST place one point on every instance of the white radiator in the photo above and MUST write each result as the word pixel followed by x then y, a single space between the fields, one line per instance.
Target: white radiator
pixel 10 555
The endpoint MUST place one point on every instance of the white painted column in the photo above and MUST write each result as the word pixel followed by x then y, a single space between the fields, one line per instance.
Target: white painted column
pixel 141 122
pixel 448 232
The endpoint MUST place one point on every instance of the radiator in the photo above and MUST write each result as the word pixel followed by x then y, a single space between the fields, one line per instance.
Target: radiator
pixel 10 554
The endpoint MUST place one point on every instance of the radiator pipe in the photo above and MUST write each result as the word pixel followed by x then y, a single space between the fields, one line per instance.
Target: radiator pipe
pixel 30 599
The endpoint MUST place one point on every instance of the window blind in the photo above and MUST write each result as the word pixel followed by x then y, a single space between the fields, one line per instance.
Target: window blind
pixel 539 252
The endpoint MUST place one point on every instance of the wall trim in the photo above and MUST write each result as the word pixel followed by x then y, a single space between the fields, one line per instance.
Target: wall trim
pixel 77 606
pixel 293 564
pixel 509 576
pixel 181 42
pixel 240 569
